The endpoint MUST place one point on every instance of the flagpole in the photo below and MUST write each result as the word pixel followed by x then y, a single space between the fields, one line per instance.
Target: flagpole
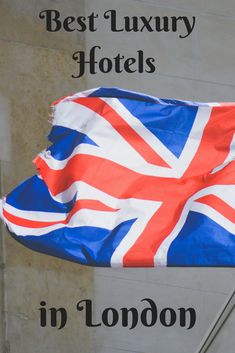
pixel 217 324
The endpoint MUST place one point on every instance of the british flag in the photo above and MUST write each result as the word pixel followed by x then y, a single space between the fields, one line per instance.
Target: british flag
pixel 131 180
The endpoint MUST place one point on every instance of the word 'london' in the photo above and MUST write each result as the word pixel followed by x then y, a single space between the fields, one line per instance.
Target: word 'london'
pixel 182 25
pixel 148 316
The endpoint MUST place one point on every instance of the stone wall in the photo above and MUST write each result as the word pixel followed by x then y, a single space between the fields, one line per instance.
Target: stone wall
pixel 35 69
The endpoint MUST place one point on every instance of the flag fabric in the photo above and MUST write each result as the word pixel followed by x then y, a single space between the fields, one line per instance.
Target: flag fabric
pixel 131 180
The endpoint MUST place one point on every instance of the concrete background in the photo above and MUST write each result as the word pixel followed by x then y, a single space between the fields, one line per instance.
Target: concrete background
pixel 35 68
pixel 224 340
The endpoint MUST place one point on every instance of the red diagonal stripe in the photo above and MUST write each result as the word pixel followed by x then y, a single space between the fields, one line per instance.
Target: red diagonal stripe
pixel 122 182
pixel 212 151
pixel 103 174
pixel 215 142
pixel 121 126
pixel 225 176
pixel 80 204
pixel 219 205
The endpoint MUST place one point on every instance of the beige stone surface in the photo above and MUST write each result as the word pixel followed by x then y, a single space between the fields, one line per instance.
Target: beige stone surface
pixel 20 22
pixel 32 78
pixel 35 70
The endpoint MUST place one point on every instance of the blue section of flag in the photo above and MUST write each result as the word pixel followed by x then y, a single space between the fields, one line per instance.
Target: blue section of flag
pixel 171 124
pixel 86 245
pixel 121 93
pixel 65 140
pixel 33 195
pixel 202 242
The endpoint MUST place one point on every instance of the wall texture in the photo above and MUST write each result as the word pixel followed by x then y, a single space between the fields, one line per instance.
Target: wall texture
pixel 224 340
pixel 35 69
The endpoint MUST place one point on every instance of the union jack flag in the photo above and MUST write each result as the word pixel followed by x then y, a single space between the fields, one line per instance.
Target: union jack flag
pixel 131 180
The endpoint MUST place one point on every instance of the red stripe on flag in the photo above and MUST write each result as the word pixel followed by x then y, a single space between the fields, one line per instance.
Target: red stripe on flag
pixel 123 183
pixel 109 177
pixel 219 205
pixel 123 128
pixel 225 104
pixel 225 176
pixel 215 142
pixel 60 100
pixel 142 253
pixel 218 133
pixel 79 205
